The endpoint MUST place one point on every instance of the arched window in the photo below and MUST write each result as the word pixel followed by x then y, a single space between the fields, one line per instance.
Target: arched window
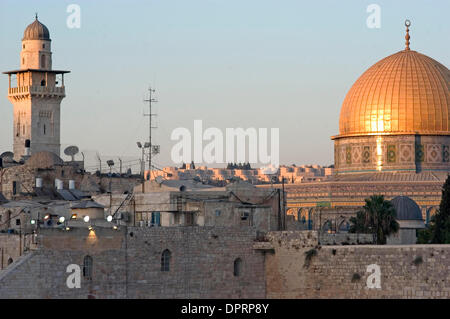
pixel 237 267
pixel 344 226
pixel 42 61
pixel 43 83
pixel 45 129
pixel 87 267
pixel 10 261
pixel 165 260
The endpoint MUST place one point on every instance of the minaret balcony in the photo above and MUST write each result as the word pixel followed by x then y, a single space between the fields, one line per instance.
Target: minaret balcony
pixel 37 91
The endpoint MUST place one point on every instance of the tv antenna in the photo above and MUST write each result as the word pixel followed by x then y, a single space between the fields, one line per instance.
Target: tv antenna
pixel 71 151
pixel 153 149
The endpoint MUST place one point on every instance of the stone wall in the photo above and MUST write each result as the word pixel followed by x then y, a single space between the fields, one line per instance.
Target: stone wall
pixel 345 239
pixel 10 247
pixel 127 264
pixel 414 271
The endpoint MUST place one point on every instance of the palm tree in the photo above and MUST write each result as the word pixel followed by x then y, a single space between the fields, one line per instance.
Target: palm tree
pixel 377 217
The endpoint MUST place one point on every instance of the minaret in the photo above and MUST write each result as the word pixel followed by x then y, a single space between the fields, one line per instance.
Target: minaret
pixel 36 92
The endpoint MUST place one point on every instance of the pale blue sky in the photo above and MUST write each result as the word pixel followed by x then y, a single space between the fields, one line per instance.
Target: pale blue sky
pixel 231 63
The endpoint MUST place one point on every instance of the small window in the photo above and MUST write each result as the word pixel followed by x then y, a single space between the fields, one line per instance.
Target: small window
pixel 43 61
pixel 23 129
pixel 43 46
pixel 45 129
pixel 245 215
pixel 24 46
pixel 14 185
pixel 87 267
pixel 10 261
pixel 156 219
pixel 237 267
pixel 165 260
pixel 218 212
pixel 23 60
pixel 17 222
pixel 43 83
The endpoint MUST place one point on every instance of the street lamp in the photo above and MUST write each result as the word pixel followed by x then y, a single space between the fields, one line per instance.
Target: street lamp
pixel 110 164
pixel 143 147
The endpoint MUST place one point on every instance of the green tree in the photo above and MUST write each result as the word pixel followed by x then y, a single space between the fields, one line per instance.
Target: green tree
pixel 441 228
pixel 424 236
pixel 377 217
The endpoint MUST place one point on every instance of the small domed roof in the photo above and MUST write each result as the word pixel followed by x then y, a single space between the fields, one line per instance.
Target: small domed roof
pixel 406 208
pixel 44 159
pixel 36 31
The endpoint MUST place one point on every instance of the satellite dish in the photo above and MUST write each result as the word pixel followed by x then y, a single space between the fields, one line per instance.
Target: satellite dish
pixel 7 156
pixel 159 179
pixel 71 151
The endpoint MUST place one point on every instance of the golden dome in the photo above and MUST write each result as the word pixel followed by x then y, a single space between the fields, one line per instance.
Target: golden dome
pixel 405 93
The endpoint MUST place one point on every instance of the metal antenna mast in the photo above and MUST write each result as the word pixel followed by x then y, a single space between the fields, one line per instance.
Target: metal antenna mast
pixel 153 149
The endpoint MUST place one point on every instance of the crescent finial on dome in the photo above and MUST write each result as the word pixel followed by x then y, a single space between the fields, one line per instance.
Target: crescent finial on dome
pixel 407 37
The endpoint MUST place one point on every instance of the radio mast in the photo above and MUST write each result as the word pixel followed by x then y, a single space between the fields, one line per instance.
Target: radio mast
pixel 153 149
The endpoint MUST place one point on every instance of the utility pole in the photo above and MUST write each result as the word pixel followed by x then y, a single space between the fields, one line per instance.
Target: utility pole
pixel 284 204
pixel 153 149
pixel 99 162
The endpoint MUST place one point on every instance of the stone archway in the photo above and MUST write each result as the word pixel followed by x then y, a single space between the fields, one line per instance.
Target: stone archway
pixel 343 226
pixel 430 212
pixel 327 226
pixel 292 212
pixel 305 217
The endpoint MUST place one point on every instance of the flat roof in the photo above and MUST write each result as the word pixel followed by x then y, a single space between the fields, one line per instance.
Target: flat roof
pixel 35 70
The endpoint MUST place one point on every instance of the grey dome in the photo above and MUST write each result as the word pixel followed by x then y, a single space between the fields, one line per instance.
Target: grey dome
pixel 44 159
pixel 36 31
pixel 406 208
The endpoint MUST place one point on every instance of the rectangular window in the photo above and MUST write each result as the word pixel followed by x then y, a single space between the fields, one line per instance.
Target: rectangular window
pixel 17 222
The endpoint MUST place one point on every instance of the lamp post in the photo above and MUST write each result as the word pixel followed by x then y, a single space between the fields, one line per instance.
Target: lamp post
pixel 110 164
pixel 143 147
